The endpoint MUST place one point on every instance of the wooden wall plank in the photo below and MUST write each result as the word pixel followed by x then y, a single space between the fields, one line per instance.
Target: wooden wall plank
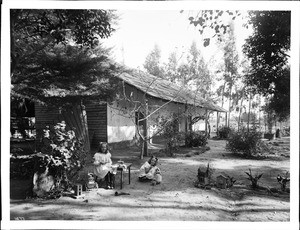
pixel 97 123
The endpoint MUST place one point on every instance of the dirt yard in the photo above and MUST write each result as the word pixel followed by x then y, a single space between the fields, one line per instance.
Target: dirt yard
pixel 176 199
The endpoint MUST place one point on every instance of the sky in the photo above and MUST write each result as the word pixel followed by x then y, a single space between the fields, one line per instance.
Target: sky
pixel 139 30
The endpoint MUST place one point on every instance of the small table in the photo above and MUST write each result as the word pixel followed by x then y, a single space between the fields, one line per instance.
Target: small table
pixel 121 169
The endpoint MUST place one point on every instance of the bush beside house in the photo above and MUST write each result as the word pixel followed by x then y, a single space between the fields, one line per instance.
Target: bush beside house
pixel 245 143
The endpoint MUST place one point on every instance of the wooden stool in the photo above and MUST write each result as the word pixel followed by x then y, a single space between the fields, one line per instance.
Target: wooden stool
pixel 78 191
pixel 121 169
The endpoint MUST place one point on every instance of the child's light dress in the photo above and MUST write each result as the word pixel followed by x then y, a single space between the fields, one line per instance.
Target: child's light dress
pixel 103 164
pixel 150 172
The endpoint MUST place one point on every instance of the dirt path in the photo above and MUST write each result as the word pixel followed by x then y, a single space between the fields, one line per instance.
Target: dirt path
pixel 176 198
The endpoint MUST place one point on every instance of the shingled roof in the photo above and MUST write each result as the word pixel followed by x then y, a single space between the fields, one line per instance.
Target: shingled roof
pixel 166 90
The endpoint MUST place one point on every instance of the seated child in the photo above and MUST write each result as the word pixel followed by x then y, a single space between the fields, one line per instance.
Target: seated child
pixel 150 172
pixel 103 165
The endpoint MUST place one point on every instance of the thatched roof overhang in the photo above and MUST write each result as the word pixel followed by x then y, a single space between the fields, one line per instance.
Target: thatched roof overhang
pixel 147 83
pixel 166 90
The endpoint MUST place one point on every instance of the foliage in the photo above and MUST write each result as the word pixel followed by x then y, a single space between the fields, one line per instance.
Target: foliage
pixel 246 117
pixel 56 54
pixel 63 71
pixel 195 139
pixel 279 102
pixel 172 134
pixel 231 58
pixel 171 67
pixel 62 156
pixel 195 72
pixel 231 65
pixel 190 71
pixel 34 29
pixel 213 21
pixel 56 58
pixel 224 132
pixel 283 180
pixel 268 49
pixel 243 142
pixel 253 179
pixel 152 62
pixel 231 181
pixel 62 153
pixel 286 131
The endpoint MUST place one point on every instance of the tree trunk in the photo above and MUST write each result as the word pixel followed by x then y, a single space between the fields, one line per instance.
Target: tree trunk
pixel 146 129
pixel 223 100
pixel 217 123
pixel 270 123
pixel 142 149
pixel 206 122
pixel 259 115
pixel 229 105
pixel 248 124
pixel 186 119
pixel 145 147
pixel 144 134
pixel 240 111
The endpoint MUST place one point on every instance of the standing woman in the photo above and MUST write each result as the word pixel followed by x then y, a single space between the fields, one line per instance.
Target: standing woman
pixel 102 165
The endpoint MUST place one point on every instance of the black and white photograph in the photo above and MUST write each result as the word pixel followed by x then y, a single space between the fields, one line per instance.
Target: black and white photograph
pixel 150 115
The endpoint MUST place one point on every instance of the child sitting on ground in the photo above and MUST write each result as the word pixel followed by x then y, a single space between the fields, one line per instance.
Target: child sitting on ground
pixel 150 172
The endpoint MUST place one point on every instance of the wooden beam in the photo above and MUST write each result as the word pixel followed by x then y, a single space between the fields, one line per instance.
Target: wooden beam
pixel 206 113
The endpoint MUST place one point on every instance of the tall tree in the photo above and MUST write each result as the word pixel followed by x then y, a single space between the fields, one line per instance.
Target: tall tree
pixel 56 60
pixel 153 62
pixel 191 72
pixel 268 50
pixel 65 72
pixel 33 29
pixel 171 67
pixel 54 55
pixel 231 65
pixel 199 75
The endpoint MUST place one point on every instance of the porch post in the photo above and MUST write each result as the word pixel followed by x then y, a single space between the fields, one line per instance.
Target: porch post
pixel 186 119
pixel 217 122
pixel 146 129
pixel 206 113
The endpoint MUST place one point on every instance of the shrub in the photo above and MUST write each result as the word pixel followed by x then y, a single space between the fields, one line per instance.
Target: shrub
pixel 195 139
pixel 62 156
pixel 172 134
pixel 224 132
pixel 286 132
pixel 243 142
pixel 64 153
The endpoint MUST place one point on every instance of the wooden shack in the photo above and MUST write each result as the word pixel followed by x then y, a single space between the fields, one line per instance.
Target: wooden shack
pixel 116 122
